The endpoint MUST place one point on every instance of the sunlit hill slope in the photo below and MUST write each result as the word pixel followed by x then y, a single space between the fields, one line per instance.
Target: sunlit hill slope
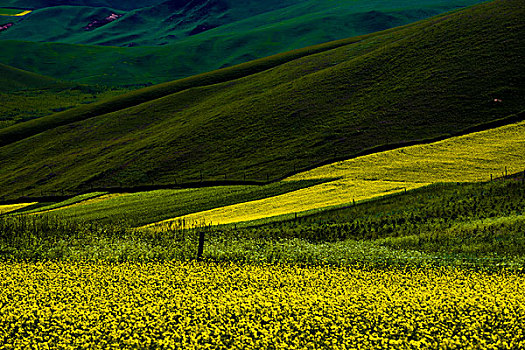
pixel 262 120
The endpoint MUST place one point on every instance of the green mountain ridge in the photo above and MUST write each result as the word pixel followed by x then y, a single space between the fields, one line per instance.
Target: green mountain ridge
pixel 175 39
pixel 420 81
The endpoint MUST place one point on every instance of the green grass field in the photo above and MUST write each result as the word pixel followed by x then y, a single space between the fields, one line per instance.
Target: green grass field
pixel 265 119
pixel 167 39
pixel 475 157
pixel 26 96
pixel 467 224
pixel 397 221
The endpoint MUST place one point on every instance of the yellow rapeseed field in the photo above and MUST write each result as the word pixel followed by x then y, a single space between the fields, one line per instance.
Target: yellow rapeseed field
pixel 85 202
pixel 189 305
pixel 7 208
pixel 468 158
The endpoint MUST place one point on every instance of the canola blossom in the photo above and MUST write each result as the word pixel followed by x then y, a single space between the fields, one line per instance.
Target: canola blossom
pixel 189 305
pixel 7 208
pixel 470 158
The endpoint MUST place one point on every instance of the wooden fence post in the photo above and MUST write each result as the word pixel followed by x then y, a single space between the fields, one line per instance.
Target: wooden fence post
pixel 200 249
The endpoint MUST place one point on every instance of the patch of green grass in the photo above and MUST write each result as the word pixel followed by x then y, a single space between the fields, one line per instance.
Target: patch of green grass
pixel 294 111
pixel 52 206
pixel 10 11
pixel 471 220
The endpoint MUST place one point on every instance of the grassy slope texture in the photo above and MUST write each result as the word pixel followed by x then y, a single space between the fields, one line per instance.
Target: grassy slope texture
pixel 173 39
pixel 26 95
pixel 432 78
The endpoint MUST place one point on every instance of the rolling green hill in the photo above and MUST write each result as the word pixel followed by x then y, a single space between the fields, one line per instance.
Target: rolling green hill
pixel 421 81
pixel 17 79
pixel 175 39
pixel 27 95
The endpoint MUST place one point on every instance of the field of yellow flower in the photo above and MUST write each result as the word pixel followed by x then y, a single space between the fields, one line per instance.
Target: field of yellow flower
pixel 470 158
pixel 191 305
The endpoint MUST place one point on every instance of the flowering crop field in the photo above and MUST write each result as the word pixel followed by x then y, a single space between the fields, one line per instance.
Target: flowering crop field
pixel 12 207
pixel 191 305
pixel 469 158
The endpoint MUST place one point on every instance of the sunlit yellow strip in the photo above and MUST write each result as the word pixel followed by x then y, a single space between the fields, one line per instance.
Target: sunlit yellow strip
pixel 18 14
pixel 468 158
pixel 84 202
pixel 12 207
pixel 319 196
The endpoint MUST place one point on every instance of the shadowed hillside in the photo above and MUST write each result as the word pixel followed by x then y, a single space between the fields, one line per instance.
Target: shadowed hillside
pixel 421 81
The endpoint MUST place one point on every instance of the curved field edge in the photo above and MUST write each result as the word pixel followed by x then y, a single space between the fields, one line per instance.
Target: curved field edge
pixel 8 12
pixel 470 158
pixel 135 209
pixel 9 208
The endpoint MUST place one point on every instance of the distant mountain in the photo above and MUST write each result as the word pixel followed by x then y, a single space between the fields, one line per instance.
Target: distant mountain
pixel 265 118
pixel 165 40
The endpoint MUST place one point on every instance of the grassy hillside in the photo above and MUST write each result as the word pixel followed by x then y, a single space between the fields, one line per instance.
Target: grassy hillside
pixel 178 39
pixel 421 81
pixel 474 157
pixel 478 223
pixel 27 96
pixel 136 209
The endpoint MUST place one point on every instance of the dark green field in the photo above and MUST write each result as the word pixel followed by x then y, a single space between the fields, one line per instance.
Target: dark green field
pixel 433 78
pixel 174 39
pixel 9 12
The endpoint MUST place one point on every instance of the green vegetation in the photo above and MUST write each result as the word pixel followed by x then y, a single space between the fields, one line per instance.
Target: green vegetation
pixel 175 39
pixel 44 207
pixel 26 96
pixel 10 11
pixel 443 224
pixel 12 79
pixel 137 209
pixel 472 219
pixel 473 157
pixel 421 81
